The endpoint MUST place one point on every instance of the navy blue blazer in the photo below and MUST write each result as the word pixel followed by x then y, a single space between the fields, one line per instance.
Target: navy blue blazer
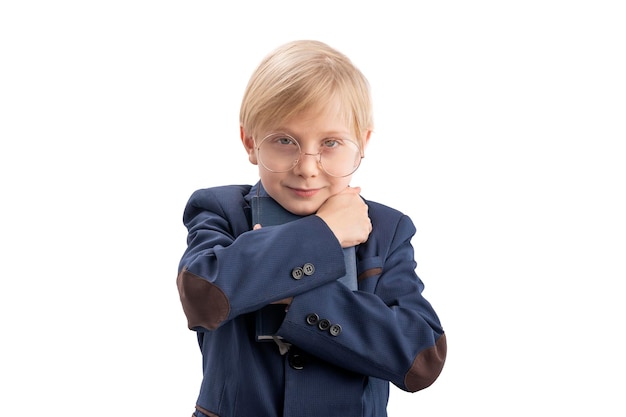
pixel 346 346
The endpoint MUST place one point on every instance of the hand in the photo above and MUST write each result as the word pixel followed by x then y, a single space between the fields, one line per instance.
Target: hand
pixel 286 301
pixel 346 215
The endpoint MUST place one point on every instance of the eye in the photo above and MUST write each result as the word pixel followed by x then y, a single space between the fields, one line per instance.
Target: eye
pixel 284 140
pixel 331 143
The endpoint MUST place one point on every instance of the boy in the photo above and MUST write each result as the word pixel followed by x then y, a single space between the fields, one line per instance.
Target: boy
pixel 304 295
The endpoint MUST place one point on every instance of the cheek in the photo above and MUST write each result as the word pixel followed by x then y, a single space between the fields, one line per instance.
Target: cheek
pixel 271 181
pixel 252 157
pixel 339 184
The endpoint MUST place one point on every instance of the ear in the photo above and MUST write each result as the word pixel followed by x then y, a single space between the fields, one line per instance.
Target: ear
pixel 248 143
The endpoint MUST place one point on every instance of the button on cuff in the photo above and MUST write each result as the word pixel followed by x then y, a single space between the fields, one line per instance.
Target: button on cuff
pixel 308 268
pixel 335 329
pixel 297 273
pixel 312 319
pixel 323 324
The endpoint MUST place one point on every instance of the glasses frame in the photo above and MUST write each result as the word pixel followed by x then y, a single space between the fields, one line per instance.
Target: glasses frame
pixel 295 163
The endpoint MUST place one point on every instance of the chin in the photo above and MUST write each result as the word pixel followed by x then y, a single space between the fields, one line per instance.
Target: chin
pixel 302 209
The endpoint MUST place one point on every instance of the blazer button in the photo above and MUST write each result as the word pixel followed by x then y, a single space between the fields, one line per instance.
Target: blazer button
pixel 297 273
pixel 297 360
pixel 312 319
pixel 323 324
pixel 309 269
pixel 335 329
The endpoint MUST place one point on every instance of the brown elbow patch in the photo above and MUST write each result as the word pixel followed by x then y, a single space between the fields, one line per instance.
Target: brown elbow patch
pixel 369 273
pixel 203 411
pixel 427 366
pixel 204 304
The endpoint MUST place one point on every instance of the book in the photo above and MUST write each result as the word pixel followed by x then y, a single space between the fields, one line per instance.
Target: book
pixel 267 212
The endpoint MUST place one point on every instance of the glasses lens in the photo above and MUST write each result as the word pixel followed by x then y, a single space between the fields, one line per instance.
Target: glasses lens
pixel 340 157
pixel 278 152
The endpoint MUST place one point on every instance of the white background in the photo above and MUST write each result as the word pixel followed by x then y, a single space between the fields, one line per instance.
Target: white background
pixel 500 130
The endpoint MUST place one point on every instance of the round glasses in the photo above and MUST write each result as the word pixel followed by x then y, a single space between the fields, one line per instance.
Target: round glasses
pixel 280 152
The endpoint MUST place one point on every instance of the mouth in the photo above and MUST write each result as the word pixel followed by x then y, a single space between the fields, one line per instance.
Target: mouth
pixel 304 192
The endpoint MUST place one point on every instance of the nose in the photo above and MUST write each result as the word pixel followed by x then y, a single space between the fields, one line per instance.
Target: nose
pixel 308 165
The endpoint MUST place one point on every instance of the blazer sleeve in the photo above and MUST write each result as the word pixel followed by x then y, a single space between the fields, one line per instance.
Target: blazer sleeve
pixel 392 332
pixel 228 270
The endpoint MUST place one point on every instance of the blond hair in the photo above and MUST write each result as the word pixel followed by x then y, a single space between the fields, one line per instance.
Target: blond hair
pixel 304 75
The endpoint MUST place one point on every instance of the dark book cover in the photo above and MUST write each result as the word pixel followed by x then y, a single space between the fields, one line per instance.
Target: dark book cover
pixel 267 212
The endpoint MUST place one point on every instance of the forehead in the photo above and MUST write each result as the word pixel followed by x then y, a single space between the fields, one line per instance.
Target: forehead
pixel 328 118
